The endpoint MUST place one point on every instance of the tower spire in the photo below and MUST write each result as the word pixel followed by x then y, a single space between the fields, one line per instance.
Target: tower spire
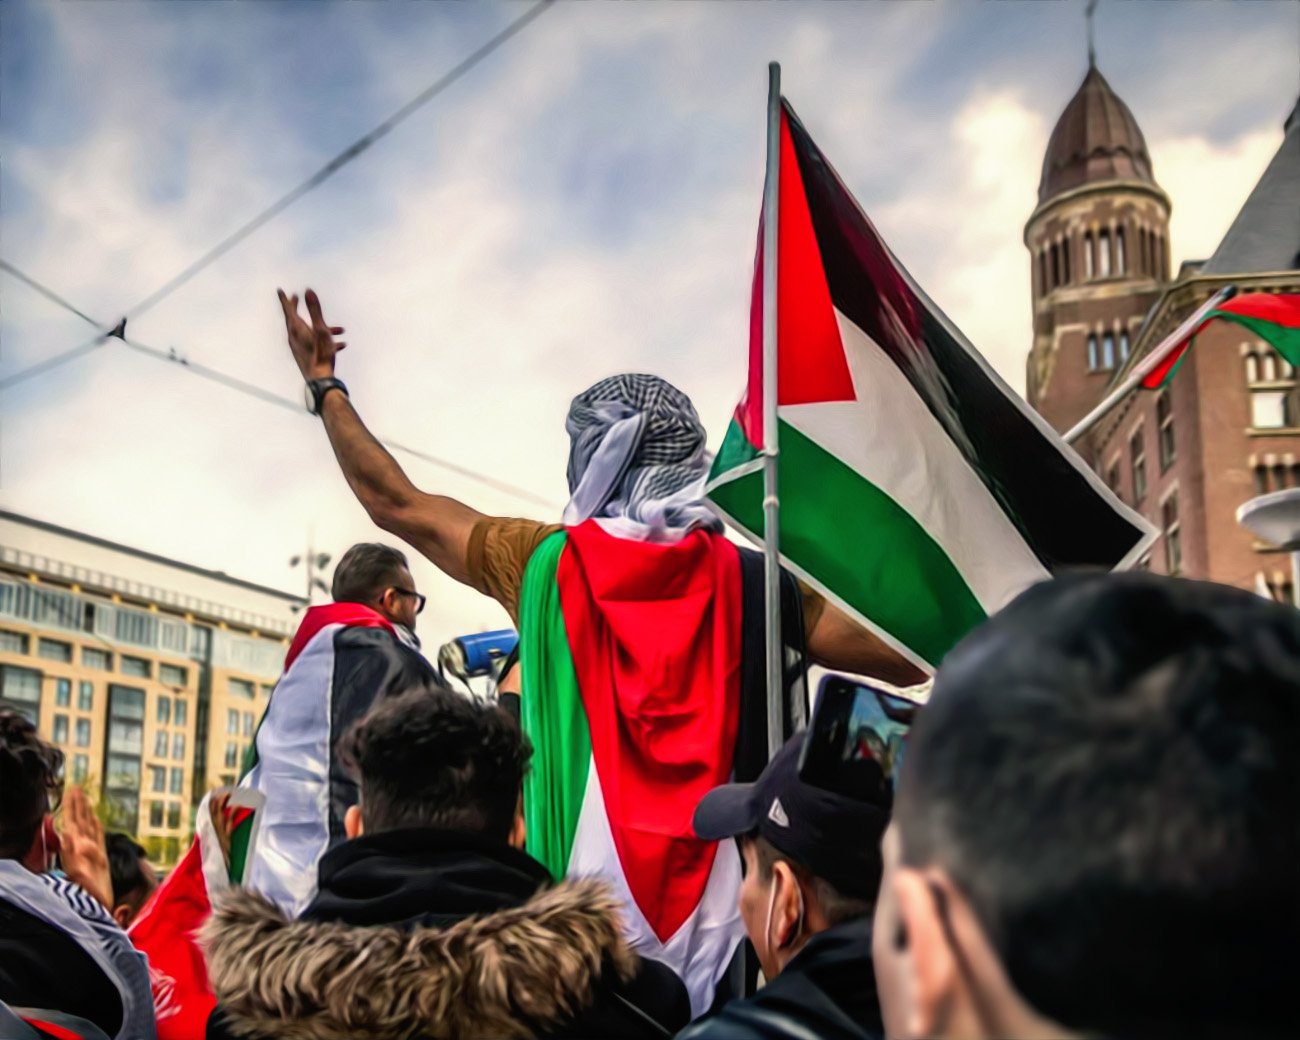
pixel 1089 13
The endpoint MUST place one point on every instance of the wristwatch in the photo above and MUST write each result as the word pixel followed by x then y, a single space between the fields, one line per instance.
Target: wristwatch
pixel 316 389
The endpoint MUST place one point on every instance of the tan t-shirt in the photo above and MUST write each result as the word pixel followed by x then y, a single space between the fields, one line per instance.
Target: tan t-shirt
pixel 500 548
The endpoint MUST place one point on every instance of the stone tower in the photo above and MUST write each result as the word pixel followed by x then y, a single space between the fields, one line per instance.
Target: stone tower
pixel 1099 246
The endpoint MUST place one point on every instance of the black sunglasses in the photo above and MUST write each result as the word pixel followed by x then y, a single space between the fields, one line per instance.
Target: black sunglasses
pixel 420 598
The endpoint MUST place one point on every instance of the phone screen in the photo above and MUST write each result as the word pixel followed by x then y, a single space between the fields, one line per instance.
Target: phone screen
pixel 857 740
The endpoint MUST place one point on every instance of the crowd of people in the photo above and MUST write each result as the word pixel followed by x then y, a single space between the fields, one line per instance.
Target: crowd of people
pixel 1094 829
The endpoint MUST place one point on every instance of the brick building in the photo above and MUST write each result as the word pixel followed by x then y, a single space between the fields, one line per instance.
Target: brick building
pixel 1228 425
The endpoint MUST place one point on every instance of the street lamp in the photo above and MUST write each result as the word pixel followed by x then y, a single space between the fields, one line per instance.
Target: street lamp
pixel 1275 518
pixel 314 562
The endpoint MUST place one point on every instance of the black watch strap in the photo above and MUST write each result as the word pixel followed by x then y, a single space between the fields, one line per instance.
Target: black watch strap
pixel 318 388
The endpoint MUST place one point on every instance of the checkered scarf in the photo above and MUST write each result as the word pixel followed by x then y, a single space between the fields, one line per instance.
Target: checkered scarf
pixel 637 453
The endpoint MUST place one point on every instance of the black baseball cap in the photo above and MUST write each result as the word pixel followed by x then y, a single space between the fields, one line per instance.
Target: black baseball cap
pixel 834 837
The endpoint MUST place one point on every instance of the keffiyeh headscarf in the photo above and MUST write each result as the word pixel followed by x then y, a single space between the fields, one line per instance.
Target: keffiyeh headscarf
pixel 637 453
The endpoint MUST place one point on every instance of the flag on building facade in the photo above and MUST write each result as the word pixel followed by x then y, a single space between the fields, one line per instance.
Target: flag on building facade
pixel 917 491
pixel 1273 317
pixel 631 656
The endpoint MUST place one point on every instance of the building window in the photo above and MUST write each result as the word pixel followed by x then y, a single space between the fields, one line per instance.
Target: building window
pixel 242 688
pixel 248 723
pixel 1138 453
pixel 267 689
pixel 54 650
pixel 1112 477
pixel 157 779
pixel 13 642
pixel 164 710
pixel 155 814
pixel 1165 422
pixel 1043 287
pixel 80 768
pixel 1121 262
pixel 137 667
pixel 85 696
pixel 1093 359
pixel 178 746
pixel 160 744
pixel 1103 255
pixel 173 815
pixel 101 660
pixel 232 722
pixel 1089 264
pixel 227 780
pixel 178 781
pixel 1108 351
pixel 1270 410
pixel 232 755
pixel 1173 536
pixel 1123 346
pixel 1056 265
pixel 181 712
pixel 83 735
pixel 171 675
pixel 63 692
pixel 1065 261
pixel 20 691
pixel 60 729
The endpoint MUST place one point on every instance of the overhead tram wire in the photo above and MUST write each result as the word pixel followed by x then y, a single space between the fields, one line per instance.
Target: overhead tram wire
pixel 342 159
pixel 250 389
pixel 315 180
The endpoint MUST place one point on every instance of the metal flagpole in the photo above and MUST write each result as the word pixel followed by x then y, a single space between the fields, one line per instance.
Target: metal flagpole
pixel 771 501
pixel 1147 365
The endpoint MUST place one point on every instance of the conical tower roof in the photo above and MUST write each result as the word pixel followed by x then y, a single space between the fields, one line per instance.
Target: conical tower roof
pixel 1096 139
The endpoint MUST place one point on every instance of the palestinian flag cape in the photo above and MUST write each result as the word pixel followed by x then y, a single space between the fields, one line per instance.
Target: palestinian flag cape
pixel 342 659
pixel 1273 317
pixel 917 491
pixel 636 699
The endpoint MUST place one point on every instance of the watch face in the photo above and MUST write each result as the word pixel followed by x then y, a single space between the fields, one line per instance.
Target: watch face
pixel 309 395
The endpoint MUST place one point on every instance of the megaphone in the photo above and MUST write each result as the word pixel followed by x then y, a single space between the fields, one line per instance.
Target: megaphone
pixel 471 657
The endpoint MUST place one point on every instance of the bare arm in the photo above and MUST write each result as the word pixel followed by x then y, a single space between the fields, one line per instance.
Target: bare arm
pixel 438 527
pixel 840 643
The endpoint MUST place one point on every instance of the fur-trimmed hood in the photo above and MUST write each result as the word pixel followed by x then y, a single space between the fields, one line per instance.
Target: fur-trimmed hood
pixel 510 973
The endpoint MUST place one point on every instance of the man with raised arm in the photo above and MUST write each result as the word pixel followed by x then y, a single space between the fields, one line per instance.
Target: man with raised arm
pixel 641 643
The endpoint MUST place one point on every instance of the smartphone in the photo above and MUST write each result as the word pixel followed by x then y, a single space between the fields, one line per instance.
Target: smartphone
pixel 857 740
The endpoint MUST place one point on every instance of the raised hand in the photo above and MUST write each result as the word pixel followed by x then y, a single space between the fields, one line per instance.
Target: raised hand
pixel 83 853
pixel 312 343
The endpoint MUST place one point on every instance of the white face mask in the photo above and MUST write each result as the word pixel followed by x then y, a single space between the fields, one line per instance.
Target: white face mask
pixel 771 906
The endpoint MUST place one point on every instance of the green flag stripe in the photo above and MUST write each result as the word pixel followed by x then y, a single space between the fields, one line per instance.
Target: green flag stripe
pixel 853 538
pixel 1282 338
pixel 240 836
pixel 552 714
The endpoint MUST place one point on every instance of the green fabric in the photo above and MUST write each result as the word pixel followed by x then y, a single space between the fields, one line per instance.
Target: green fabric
pixel 859 543
pixel 1285 340
pixel 239 839
pixel 552 714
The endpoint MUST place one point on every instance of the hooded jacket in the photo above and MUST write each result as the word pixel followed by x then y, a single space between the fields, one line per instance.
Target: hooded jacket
pixel 434 934
pixel 828 991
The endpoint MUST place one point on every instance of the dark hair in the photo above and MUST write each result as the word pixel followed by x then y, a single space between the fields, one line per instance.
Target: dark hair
pixel 124 856
pixel 435 758
pixel 365 571
pixel 31 783
pixel 834 905
pixel 1110 771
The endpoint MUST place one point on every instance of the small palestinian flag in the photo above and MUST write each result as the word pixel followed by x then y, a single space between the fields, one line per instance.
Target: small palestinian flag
pixel 917 491
pixel 1272 317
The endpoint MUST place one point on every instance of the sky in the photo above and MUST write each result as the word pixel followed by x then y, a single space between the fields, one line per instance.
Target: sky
pixel 582 202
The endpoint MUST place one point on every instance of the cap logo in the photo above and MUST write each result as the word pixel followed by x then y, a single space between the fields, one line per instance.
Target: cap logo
pixel 777 814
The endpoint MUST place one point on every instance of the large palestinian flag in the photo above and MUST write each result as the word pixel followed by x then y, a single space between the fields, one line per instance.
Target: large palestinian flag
pixel 917 491
pixel 631 656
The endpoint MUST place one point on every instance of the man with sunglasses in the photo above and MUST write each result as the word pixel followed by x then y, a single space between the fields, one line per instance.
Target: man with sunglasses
pixel 345 656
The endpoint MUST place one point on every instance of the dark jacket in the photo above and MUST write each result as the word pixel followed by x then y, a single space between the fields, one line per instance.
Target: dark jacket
pixel 426 933
pixel 828 990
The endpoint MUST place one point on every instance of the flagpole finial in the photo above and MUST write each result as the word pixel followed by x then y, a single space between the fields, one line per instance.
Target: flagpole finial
pixel 1090 14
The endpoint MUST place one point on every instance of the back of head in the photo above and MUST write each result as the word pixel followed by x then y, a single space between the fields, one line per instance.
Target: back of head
pixel 435 758
pixel 30 783
pixel 1110 772
pixel 125 867
pixel 365 572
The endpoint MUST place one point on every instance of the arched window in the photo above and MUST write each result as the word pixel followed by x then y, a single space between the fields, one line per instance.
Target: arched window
pixel 1148 252
pixel 1065 261
pixel 1043 287
pixel 1268 366
pixel 1123 347
pixel 1108 351
pixel 1056 265
pixel 1087 256
pixel 1162 261
pixel 1092 353
pixel 1103 255
pixel 1252 368
pixel 1120 260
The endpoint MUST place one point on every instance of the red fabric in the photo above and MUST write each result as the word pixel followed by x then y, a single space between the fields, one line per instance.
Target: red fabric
pixel 811 365
pixel 654 631
pixel 51 1030
pixel 1159 375
pixel 164 931
pixel 357 615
